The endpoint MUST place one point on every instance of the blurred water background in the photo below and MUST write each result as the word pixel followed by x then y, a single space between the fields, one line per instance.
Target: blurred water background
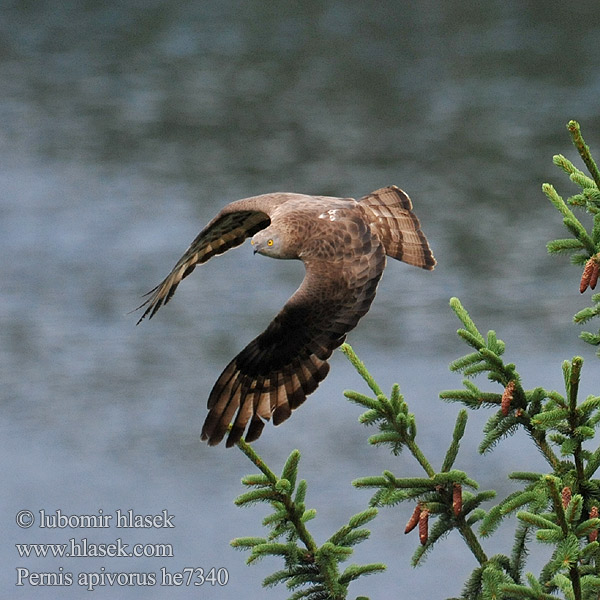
pixel 125 126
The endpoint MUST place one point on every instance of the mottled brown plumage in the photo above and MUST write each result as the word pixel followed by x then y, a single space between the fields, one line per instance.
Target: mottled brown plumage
pixel 343 244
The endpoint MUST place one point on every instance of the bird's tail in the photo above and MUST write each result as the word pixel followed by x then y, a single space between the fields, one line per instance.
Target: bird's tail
pixel 398 227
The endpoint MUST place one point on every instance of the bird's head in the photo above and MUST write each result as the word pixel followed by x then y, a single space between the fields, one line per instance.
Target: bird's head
pixel 269 243
pixel 266 242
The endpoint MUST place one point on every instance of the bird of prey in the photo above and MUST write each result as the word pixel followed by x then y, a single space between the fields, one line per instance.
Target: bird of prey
pixel 343 244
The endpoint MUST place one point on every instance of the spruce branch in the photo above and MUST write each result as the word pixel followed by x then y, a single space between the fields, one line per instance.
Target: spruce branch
pixel 585 248
pixel 313 568
pixel 548 417
pixel 517 406
pixel 441 494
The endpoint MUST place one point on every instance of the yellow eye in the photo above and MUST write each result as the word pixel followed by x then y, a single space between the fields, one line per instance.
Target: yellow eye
pixel 270 243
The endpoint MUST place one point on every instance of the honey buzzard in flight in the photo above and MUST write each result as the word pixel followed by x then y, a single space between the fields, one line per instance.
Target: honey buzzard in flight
pixel 343 244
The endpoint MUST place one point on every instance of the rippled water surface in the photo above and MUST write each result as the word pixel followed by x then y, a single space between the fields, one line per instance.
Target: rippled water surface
pixel 127 125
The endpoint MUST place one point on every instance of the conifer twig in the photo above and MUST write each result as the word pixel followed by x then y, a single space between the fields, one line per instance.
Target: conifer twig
pixel 584 151
pixel 312 568
pixel 360 368
pixel 293 515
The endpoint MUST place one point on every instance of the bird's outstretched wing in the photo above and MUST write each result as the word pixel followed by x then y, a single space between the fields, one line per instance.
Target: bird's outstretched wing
pixel 236 222
pixel 284 364
pixel 390 212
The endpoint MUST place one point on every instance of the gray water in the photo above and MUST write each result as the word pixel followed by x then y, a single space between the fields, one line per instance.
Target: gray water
pixel 127 125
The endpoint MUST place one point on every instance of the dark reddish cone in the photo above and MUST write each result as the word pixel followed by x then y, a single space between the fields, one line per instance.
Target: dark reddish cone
pixel 594 277
pixel 507 398
pixel 414 519
pixel 424 526
pixel 566 496
pixel 593 536
pixel 589 278
pixel 456 498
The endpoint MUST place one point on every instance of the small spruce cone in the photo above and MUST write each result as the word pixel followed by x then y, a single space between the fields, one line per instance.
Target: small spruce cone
pixel 566 496
pixel 507 398
pixel 593 536
pixel 594 277
pixel 424 526
pixel 414 519
pixel 589 278
pixel 456 499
